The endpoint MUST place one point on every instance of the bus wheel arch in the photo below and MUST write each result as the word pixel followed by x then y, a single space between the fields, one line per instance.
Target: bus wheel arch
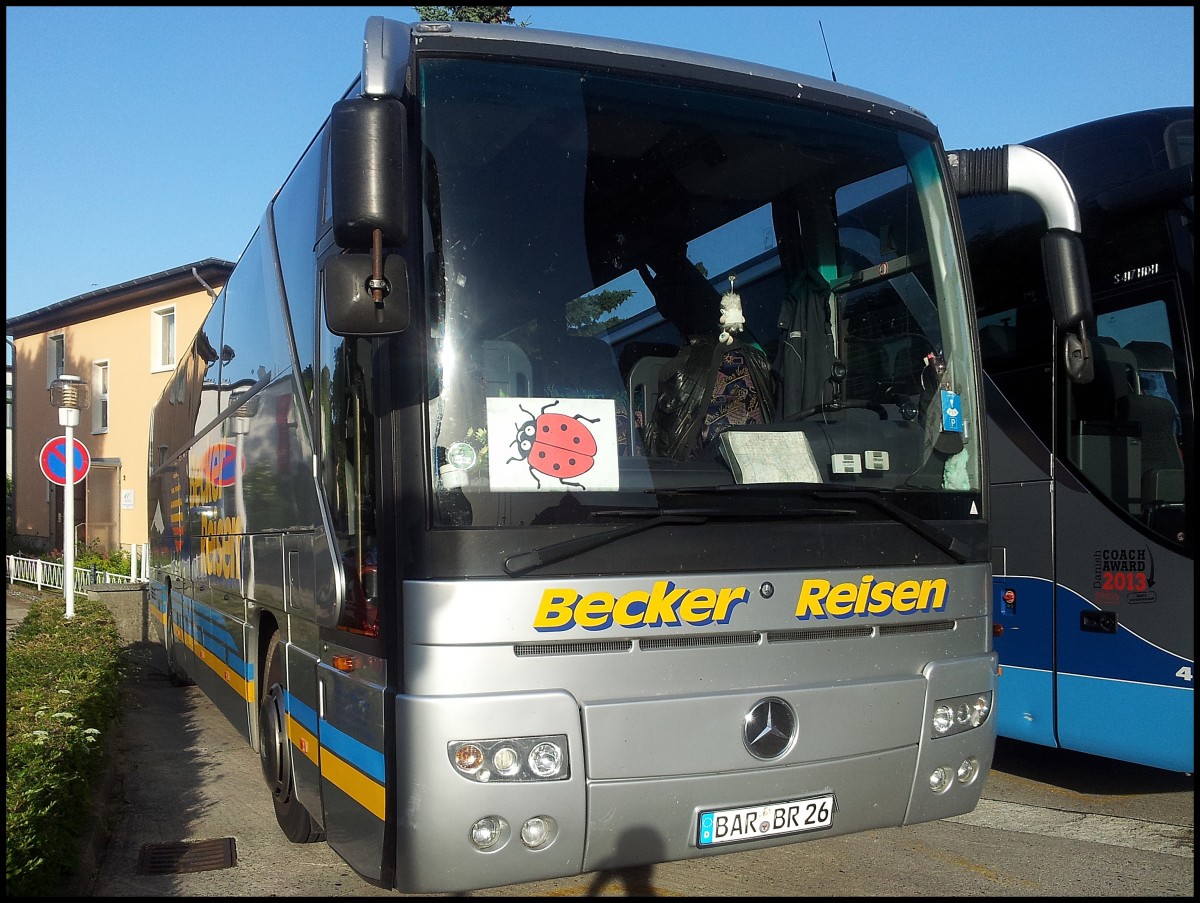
pixel 274 751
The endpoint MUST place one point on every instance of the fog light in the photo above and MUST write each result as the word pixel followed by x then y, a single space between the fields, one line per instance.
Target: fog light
pixel 487 832
pixel 967 770
pixel 940 779
pixel 538 831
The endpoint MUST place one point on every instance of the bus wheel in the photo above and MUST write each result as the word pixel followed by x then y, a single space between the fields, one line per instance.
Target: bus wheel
pixel 295 821
pixel 176 673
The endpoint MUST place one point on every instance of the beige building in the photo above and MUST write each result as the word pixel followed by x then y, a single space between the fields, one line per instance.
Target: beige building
pixel 123 343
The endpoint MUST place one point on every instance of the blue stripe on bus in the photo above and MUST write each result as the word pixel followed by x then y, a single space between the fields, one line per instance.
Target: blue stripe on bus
pixel 354 752
pixel 1126 656
pixel 1158 722
pixel 1024 706
pixel 210 632
pixel 301 712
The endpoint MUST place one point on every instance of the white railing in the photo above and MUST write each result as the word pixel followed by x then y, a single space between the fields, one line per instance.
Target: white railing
pixel 49 574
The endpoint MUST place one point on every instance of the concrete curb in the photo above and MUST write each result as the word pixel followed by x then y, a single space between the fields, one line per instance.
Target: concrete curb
pixel 128 604
pixel 106 788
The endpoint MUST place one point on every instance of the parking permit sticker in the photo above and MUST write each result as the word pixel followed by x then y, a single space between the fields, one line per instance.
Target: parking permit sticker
pixel 952 419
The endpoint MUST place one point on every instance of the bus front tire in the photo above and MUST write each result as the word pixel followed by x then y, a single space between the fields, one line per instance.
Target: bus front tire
pixel 294 820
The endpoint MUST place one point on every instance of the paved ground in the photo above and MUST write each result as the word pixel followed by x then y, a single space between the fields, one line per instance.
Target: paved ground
pixel 16 606
pixel 1014 844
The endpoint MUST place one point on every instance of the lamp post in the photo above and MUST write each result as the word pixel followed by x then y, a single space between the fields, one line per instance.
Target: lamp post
pixel 69 395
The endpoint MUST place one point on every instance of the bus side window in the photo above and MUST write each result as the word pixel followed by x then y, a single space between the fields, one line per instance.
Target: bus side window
pixel 1150 418
pixel 1102 446
pixel 347 471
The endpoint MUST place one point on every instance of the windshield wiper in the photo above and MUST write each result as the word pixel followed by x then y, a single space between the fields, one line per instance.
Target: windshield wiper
pixel 527 561
pixel 951 545
pixel 656 517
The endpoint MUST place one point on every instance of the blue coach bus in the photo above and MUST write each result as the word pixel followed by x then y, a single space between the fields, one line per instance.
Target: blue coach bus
pixel 1093 554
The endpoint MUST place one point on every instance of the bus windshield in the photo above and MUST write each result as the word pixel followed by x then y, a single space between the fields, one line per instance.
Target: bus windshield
pixel 636 287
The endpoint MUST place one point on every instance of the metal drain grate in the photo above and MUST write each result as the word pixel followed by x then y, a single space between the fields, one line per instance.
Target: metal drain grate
pixel 187 856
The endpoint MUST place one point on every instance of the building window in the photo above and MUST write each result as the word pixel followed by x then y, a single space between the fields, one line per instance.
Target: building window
pixel 56 358
pixel 100 397
pixel 162 339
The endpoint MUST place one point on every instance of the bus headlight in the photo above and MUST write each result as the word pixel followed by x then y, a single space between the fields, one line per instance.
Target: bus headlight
pixel 960 713
pixel 546 760
pixel 507 761
pixel 512 759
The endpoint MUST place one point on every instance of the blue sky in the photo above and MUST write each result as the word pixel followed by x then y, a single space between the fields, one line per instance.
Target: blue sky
pixel 144 138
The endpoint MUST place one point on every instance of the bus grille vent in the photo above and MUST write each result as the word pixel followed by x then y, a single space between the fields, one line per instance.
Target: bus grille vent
pixel 830 633
pixel 686 642
pixel 578 648
pixel 921 627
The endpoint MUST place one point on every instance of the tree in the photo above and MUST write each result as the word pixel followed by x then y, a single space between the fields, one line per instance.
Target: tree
pixel 586 315
pixel 495 15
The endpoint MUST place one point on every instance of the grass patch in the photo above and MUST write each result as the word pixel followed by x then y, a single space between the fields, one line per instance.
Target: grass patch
pixel 62 682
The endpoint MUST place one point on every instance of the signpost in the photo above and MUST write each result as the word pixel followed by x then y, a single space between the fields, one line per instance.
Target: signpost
pixel 67 393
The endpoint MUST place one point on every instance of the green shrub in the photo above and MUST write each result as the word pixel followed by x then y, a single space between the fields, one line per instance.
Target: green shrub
pixel 62 680
pixel 87 557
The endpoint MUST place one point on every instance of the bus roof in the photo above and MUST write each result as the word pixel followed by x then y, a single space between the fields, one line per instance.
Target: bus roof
pixel 386 44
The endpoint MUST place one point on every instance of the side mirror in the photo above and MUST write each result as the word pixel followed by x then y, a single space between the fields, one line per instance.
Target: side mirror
pixel 350 305
pixel 1017 169
pixel 368 144
pixel 367 293
pixel 1070 300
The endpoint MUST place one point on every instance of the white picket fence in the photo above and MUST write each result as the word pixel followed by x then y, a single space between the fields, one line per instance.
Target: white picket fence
pixel 49 574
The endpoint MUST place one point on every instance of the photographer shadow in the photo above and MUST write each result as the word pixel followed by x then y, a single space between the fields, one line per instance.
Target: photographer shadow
pixel 633 880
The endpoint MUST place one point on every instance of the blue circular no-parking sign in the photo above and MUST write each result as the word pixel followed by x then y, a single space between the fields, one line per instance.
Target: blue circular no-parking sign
pixel 53 460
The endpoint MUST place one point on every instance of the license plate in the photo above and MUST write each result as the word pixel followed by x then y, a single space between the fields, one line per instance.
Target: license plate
pixel 812 813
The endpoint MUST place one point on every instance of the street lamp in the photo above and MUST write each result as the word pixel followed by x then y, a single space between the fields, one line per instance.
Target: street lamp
pixel 69 394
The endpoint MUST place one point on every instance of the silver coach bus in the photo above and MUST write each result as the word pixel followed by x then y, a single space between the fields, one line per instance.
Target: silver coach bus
pixel 550 490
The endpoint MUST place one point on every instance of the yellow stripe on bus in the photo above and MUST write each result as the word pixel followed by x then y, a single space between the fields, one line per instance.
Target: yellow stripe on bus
pixel 366 792
pixel 303 739
pixel 236 682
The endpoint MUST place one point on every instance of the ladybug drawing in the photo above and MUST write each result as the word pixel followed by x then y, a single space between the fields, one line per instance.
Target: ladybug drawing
pixel 556 445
